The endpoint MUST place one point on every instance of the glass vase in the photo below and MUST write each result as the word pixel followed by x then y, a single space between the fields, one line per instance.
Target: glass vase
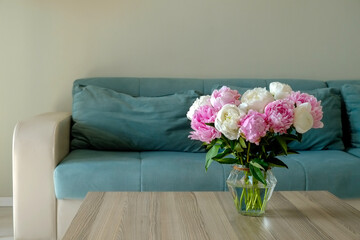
pixel 250 195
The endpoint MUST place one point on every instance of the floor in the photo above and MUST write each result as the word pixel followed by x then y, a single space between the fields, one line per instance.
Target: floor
pixel 6 219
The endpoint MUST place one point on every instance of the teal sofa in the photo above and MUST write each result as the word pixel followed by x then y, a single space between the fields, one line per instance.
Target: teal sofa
pixel 131 134
pixel 147 160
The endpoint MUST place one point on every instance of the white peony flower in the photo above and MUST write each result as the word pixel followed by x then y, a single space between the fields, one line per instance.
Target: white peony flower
pixel 227 121
pixel 257 99
pixel 201 101
pixel 303 120
pixel 279 90
pixel 244 107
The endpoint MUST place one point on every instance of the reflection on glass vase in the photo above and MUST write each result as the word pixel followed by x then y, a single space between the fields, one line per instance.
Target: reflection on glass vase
pixel 250 195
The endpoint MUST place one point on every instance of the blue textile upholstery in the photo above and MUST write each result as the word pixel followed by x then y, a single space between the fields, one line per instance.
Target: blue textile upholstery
pixel 324 163
pixel 351 95
pixel 89 170
pixel 109 120
pixel 332 170
pixel 337 84
pixel 180 172
pixel 354 151
pixel 330 136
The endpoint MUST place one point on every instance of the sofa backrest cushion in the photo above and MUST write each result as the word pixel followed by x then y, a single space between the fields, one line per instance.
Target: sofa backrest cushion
pixel 330 136
pixel 327 138
pixel 351 96
pixel 105 119
pixel 344 116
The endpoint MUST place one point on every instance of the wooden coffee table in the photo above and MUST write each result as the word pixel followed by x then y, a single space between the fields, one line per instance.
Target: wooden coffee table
pixel 212 215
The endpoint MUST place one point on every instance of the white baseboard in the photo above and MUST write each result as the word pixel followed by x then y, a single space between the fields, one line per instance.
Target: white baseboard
pixel 6 201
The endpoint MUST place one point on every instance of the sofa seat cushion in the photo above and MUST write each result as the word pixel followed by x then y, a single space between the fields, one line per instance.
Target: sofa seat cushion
pixel 88 170
pixel 354 151
pixel 330 170
pixel 83 171
pixel 180 171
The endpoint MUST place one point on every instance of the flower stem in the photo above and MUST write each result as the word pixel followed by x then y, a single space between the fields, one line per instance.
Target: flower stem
pixel 241 199
pixel 248 153
pixel 264 203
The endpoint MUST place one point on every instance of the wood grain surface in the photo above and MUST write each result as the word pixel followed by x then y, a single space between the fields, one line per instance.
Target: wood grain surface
pixel 212 215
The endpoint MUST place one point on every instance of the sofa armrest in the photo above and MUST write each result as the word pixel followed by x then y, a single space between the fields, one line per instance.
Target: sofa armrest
pixel 39 144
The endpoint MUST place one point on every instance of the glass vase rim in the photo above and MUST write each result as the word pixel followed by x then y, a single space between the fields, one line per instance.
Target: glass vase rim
pixel 241 167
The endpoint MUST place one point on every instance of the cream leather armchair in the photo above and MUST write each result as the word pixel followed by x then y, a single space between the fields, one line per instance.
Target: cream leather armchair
pixel 39 144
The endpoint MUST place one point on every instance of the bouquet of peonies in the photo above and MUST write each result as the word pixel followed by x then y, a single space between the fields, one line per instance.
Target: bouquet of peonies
pixel 254 128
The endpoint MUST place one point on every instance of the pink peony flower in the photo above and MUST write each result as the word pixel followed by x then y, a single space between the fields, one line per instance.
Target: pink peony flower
pixel 224 96
pixel 254 126
pixel 280 115
pixel 204 114
pixel 316 108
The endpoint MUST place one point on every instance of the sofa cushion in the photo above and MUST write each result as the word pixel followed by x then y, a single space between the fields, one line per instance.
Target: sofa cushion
pixel 89 170
pixel 330 170
pixel 351 96
pixel 180 171
pixel 330 136
pixel 303 85
pixel 339 83
pixel 211 84
pixel 83 171
pixel 354 151
pixel 105 119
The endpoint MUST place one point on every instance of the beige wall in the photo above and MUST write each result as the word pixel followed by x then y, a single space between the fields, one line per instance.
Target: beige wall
pixel 45 45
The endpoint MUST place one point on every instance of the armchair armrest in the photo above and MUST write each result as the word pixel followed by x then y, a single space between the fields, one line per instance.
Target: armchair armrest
pixel 39 144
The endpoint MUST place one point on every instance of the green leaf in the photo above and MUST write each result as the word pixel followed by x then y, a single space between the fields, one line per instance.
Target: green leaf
pixel 210 154
pixel 257 165
pixel 232 145
pixel 217 141
pixel 223 154
pixel 257 174
pixel 210 124
pixel 263 149
pixel 282 143
pixel 261 162
pixel 226 160
pixel 275 162
pixel 238 148
pixel 242 142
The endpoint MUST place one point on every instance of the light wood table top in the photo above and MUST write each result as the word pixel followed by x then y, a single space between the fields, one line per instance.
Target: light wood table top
pixel 212 215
